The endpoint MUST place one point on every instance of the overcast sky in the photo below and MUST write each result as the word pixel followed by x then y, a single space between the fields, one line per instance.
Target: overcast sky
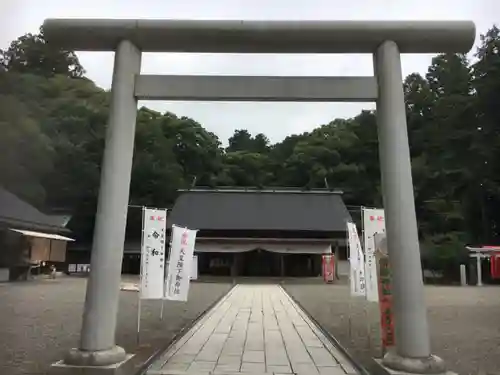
pixel 276 120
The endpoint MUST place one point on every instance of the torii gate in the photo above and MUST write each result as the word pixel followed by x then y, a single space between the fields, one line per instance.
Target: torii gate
pixel 385 40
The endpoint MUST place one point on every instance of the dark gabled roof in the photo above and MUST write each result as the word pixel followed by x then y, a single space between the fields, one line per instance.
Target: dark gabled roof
pixel 16 212
pixel 278 210
pixel 60 220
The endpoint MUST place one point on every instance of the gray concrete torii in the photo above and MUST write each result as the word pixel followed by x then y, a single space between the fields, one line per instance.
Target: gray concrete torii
pixel 386 40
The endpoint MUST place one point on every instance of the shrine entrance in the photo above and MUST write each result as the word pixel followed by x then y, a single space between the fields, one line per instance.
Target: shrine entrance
pixel 384 40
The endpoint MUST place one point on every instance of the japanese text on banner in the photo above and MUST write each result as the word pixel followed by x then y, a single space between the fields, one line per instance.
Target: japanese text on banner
pixel 373 222
pixel 180 263
pixel 386 304
pixel 153 254
pixel 357 262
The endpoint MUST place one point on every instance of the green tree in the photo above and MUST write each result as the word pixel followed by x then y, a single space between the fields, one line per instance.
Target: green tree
pixel 242 140
pixel 197 151
pixel 156 174
pixel 26 152
pixel 242 168
pixel 445 132
pixel 486 83
pixel 32 54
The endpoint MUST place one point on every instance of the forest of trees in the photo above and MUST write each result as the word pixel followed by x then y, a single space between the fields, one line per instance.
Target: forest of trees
pixel 52 122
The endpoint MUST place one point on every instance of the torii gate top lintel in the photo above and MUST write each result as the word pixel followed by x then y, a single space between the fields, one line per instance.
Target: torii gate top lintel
pixel 234 36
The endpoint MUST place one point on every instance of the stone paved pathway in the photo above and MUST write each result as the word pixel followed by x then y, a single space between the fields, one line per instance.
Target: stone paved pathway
pixel 254 329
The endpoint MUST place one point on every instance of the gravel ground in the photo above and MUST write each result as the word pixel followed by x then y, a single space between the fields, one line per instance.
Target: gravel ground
pixel 41 319
pixel 464 323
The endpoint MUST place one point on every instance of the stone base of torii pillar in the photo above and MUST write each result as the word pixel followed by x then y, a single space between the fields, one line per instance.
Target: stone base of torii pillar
pixel 408 366
pixel 94 363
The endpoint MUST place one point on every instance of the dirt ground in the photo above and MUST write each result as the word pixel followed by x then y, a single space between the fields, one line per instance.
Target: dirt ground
pixel 42 319
pixel 464 323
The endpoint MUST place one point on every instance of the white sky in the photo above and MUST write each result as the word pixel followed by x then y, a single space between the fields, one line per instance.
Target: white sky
pixel 276 120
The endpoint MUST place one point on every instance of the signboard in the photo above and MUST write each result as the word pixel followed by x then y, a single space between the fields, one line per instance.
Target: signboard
pixel 82 268
pixel 180 263
pixel 328 268
pixel 153 254
pixel 373 222
pixel 495 265
pixel 356 262
pixel 385 303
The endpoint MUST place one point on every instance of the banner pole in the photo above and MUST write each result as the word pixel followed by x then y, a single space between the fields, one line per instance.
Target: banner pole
pixel 140 278
pixel 165 258
pixel 350 284
pixel 161 309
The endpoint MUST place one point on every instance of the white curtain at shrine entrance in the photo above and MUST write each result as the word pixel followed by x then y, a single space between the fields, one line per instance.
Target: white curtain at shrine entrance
pixel 283 248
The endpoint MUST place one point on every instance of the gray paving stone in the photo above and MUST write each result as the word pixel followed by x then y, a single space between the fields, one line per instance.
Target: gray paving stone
pixel 177 372
pixel 276 358
pixel 309 337
pixel 253 367
pixel 297 352
pixel 279 369
pixel 304 369
pixel 229 360
pixel 213 348
pixel 232 352
pixel 255 356
pixel 172 366
pixel 228 367
pixel 322 357
pixel 182 358
pixel 273 337
pixel 201 366
pixel 327 370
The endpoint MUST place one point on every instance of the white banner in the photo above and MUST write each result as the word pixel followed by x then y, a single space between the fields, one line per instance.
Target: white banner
pixel 357 262
pixel 194 268
pixel 153 254
pixel 180 263
pixel 373 222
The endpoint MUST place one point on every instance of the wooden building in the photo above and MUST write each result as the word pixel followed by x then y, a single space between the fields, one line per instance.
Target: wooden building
pixel 28 238
pixel 268 233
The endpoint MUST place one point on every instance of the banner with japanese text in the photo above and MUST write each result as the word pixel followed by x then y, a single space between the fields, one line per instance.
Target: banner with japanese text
pixel 385 294
pixel 356 262
pixel 153 254
pixel 180 263
pixel 373 222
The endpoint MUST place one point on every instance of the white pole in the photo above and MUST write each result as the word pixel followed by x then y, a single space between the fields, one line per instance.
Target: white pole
pixel 463 275
pixel 479 270
pixel 140 278
pixel 167 255
pixel 350 282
